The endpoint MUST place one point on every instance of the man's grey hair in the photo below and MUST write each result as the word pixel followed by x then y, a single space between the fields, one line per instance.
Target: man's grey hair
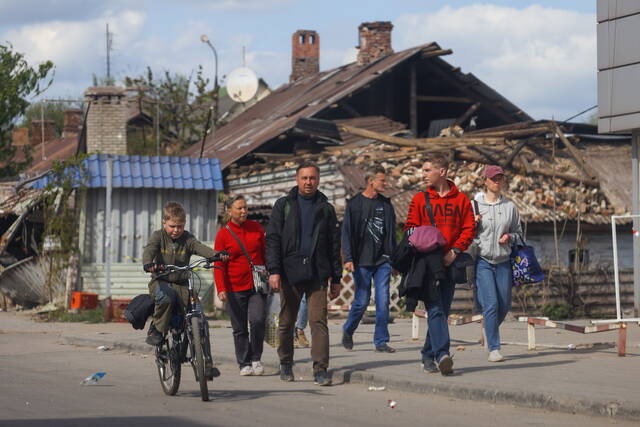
pixel 372 172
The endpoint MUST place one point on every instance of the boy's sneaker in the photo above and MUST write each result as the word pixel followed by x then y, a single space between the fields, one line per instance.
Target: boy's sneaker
pixel 445 365
pixel 347 341
pixel 321 378
pixel 154 337
pixel 430 366
pixel 286 372
pixel 495 356
pixel 299 339
pixel 258 368
pixel 385 348
pixel 245 371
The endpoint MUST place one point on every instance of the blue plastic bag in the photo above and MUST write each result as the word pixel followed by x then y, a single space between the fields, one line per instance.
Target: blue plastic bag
pixel 525 265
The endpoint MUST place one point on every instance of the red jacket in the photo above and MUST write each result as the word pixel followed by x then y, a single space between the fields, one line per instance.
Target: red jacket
pixel 453 215
pixel 235 274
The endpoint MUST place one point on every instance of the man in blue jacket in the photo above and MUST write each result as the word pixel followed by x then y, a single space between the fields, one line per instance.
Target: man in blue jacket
pixel 368 241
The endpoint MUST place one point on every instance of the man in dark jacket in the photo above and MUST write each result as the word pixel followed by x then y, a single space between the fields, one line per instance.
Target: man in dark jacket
pixel 368 241
pixel 303 258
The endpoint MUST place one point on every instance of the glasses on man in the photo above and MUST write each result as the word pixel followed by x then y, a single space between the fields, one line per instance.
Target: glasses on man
pixel 497 178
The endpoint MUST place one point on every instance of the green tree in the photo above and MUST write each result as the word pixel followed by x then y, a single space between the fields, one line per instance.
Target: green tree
pixel 182 104
pixel 18 81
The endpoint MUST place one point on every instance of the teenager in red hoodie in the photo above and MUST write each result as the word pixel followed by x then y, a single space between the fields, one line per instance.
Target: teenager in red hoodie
pixel 234 283
pixel 454 218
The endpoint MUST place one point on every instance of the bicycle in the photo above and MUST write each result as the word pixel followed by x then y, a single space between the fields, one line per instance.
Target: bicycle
pixel 186 341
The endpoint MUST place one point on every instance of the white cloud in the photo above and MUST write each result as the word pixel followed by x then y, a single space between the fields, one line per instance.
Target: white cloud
pixel 542 59
pixel 76 48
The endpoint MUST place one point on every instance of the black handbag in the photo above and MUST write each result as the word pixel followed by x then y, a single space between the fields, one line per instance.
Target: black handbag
pixel 298 269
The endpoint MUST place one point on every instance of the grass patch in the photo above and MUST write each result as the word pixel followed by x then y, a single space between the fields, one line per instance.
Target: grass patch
pixel 86 316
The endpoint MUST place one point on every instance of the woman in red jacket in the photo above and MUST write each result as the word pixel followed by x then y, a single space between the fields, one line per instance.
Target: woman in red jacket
pixel 242 238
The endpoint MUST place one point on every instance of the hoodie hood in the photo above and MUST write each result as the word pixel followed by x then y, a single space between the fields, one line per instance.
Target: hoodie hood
pixel 453 191
pixel 480 198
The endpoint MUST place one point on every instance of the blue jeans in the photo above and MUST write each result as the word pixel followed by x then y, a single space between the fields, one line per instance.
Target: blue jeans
pixel 302 320
pixel 362 279
pixel 437 341
pixel 493 282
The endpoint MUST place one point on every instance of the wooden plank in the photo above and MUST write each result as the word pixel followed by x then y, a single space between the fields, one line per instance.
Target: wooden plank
pixel 622 340
pixel 438 52
pixel 514 153
pixel 575 154
pixel 460 120
pixel 451 99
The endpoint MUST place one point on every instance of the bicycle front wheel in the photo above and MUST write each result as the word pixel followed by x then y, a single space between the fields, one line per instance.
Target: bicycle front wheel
pixel 169 365
pixel 198 360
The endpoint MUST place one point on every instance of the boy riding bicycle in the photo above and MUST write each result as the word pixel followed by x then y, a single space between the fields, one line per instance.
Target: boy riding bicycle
pixel 171 245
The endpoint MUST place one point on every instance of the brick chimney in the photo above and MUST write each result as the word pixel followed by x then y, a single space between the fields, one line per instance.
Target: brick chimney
pixel 72 123
pixel 37 131
pixel 375 41
pixel 305 54
pixel 19 137
pixel 106 120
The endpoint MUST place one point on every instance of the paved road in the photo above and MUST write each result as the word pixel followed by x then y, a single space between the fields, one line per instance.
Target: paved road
pixel 39 386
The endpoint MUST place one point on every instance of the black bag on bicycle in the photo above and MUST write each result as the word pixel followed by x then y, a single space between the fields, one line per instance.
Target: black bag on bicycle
pixel 139 310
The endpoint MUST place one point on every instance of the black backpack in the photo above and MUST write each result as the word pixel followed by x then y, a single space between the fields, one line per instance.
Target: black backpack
pixel 139 310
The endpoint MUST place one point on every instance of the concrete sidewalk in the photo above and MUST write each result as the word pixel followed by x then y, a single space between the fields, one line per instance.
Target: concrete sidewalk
pixel 588 381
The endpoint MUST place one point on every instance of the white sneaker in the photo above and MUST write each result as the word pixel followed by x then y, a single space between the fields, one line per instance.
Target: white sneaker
pixel 495 356
pixel 258 368
pixel 246 371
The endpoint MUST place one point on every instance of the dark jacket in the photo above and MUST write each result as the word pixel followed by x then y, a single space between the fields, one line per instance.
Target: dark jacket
pixel 353 228
pixel 421 273
pixel 283 236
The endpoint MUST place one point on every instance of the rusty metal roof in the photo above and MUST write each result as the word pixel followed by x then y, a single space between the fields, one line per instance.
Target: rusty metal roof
pixel 278 112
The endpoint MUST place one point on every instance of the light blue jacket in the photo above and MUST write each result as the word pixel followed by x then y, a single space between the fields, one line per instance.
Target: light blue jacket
pixel 497 219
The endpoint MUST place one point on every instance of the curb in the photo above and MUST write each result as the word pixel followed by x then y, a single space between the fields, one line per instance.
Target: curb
pixel 534 400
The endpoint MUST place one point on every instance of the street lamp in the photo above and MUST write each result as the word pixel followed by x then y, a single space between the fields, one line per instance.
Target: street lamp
pixel 205 39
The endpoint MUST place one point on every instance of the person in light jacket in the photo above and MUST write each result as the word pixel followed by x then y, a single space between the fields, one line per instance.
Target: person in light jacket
pixel 498 228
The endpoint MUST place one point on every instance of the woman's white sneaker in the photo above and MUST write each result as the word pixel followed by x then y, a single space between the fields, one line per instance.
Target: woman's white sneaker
pixel 258 368
pixel 246 371
pixel 495 356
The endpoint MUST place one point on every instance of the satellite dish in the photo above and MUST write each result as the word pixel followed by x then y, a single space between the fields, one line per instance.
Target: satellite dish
pixel 242 84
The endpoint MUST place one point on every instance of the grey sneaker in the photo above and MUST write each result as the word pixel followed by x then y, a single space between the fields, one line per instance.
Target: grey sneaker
pixel 286 372
pixel 258 367
pixel 445 365
pixel 246 371
pixel 321 378
pixel 347 341
pixel 430 366
pixel 495 356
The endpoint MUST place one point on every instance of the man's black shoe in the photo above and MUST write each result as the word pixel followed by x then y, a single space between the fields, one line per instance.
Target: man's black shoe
pixel 384 348
pixel 430 366
pixel 286 372
pixel 154 337
pixel 347 341
pixel 445 365
pixel 321 378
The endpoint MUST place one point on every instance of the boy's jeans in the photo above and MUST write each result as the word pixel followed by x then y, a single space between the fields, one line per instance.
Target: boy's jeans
pixel 437 341
pixel 493 283
pixel 362 278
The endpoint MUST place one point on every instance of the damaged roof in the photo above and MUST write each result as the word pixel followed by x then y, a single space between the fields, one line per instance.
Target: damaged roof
pixel 305 98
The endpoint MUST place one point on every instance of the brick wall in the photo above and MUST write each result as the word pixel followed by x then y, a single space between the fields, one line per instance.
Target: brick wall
pixel 72 122
pixel 106 120
pixel 36 131
pixel 375 41
pixel 305 54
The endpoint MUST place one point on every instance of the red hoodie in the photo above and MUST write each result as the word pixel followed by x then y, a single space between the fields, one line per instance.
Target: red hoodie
pixel 235 274
pixel 453 215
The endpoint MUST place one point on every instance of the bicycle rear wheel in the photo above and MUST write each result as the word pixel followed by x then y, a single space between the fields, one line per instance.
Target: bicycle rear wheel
pixel 198 360
pixel 168 364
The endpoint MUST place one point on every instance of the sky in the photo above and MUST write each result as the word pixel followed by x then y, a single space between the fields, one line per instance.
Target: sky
pixel 541 55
